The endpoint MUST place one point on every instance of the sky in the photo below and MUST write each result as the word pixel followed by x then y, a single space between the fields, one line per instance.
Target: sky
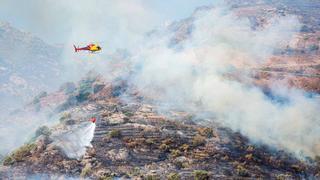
pixel 59 21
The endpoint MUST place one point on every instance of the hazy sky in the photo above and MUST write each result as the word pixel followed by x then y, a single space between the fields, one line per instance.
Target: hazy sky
pixel 59 21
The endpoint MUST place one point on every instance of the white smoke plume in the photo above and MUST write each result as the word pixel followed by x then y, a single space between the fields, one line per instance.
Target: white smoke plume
pixel 19 129
pixel 220 43
pixel 75 140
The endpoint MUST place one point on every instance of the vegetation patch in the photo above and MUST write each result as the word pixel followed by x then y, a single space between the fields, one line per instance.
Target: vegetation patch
pixel 175 153
pixel 242 171
pixel 164 147
pixel 200 175
pixel 174 176
pixel 86 171
pixel 115 134
pixel 152 177
pixel 19 154
pixel 43 130
pixel 184 147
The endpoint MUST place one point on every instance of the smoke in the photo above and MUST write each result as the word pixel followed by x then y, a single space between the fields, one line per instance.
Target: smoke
pixel 196 78
pixel 18 129
pixel 75 140
pixel 112 24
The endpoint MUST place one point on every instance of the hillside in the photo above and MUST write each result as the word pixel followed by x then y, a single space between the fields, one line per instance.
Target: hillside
pixel 134 140
pixel 28 66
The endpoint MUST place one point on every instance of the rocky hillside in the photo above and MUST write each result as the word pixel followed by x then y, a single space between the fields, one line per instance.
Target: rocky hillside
pixel 133 139
pixel 27 66
pixel 297 63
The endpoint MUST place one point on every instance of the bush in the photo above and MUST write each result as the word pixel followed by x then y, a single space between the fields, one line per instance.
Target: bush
pixel 152 177
pixel 174 176
pixel 135 171
pixel 85 89
pixel 106 178
pixel 43 130
pixel 164 147
pixel 180 164
pixel 175 153
pixel 242 171
pixel 19 154
pixel 200 175
pixel 150 141
pixel 198 140
pixel 128 113
pixel 314 47
pixel 86 171
pixel 8 160
pixel 115 133
pixel 82 96
pixel 184 147
pixel 283 177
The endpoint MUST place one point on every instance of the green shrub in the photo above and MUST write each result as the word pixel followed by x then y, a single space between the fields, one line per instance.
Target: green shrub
pixel 135 172
pixel 19 154
pixel 128 113
pixel 283 177
pixel 200 175
pixel 174 176
pixel 43 130
pixel 242 171
pixel 8 160
pixel 164 147
pixel 86 171
pixel 115 133
pixel 152 177
pixel 84 90
pixel 175 153
pixel 150 141
pixel 82 96
pixel 105 178
pixel 314 47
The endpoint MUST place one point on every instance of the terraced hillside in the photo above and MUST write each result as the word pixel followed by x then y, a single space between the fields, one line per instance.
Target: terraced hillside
pixel 134 140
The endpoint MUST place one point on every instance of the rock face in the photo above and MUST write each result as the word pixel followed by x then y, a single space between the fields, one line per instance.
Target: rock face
pixel 133 140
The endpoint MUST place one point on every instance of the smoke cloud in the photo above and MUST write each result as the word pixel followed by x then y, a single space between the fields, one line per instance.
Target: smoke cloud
pixel 75 140
pixel 196 78
pixel 18 129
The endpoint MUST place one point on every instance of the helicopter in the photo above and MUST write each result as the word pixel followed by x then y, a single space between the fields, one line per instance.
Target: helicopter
pixel 91 48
